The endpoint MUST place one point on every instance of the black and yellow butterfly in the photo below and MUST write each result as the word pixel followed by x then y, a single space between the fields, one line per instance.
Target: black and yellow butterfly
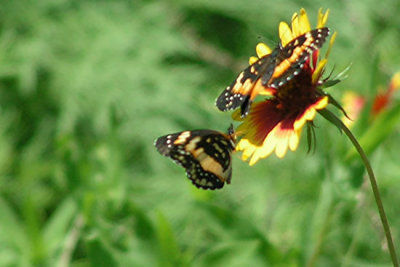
pixel 273 71
pixel 205 155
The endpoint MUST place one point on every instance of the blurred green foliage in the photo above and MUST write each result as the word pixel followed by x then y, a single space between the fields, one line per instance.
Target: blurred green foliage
pixel 85 88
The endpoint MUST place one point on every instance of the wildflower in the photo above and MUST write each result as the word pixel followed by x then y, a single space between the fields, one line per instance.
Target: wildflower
pixel 276 123
pixel 353 105
pixel 383 99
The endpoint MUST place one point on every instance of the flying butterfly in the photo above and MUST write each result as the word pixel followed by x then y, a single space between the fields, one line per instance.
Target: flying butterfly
pixel 205 155
pixel 271 71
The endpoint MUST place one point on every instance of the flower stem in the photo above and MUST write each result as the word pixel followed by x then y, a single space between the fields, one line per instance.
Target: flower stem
pixel 331 117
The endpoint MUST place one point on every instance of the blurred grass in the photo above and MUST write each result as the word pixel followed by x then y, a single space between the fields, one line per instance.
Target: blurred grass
pixel 85 88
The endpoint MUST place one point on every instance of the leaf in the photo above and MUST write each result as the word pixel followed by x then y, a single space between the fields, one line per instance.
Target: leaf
pixel 56 229
pixel 343 74
pixel 330 83
pixel 15 238
pixel 238 253
pixel 311 138
pixel 331 118
pixel 239 228
pixel 99 254
pixel 170 254
pixel 338 78
pixel 337 105
pixel 143 225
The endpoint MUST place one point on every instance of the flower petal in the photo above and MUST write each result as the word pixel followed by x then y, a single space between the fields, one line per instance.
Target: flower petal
pixel 275 125
pixel 318 70
pixel 285 34
pixel 282 141
pixel 395 82
pixel 236 115
pixel 352 104
pixel 247 148
pixel 322 18
pixel 321 104
pixel 309 113
pixel 331 42
pixel 295 25
pixel 294 140
pixel 252 60
pixel 262 50
pixel 263 134
pixel 304 22
pixel 262 152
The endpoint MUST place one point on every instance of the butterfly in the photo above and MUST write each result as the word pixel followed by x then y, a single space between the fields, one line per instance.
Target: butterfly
pixel 205 155
pixel 271 71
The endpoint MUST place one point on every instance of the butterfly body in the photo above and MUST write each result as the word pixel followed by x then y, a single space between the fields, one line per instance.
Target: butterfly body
pixel 271 71
pixel 205 155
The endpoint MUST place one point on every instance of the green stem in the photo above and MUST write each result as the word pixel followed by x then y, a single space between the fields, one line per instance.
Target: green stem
pixel 331 117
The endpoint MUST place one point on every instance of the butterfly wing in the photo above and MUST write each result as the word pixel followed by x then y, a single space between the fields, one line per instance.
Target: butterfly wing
pixel 205 155
pixel 272 70
pixel 247 85
pixel 292 57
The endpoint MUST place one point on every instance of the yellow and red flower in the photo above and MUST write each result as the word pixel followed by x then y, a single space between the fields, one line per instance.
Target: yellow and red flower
pixel 274 125
pixel 354 103
pixel 382 99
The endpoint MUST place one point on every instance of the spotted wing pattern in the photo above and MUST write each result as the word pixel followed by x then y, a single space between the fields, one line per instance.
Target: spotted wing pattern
pixel 271 71
pixel 205 155
pixel 292 57
pixel 248 84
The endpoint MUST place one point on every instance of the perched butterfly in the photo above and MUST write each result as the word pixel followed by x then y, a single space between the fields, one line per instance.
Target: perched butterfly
pixel 271 71
pixel 205 154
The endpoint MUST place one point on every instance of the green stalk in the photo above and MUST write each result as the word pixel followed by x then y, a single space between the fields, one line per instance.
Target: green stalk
pixel 335 120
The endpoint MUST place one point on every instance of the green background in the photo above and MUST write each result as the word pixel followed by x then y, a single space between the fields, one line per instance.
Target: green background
pixel 86 87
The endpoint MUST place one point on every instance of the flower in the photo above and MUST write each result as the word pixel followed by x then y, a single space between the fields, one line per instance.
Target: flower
pixel 383 99
pixel 275 124
pixel 353 105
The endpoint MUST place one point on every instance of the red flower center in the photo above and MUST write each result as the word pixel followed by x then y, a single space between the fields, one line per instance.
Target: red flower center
pixel 297 95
